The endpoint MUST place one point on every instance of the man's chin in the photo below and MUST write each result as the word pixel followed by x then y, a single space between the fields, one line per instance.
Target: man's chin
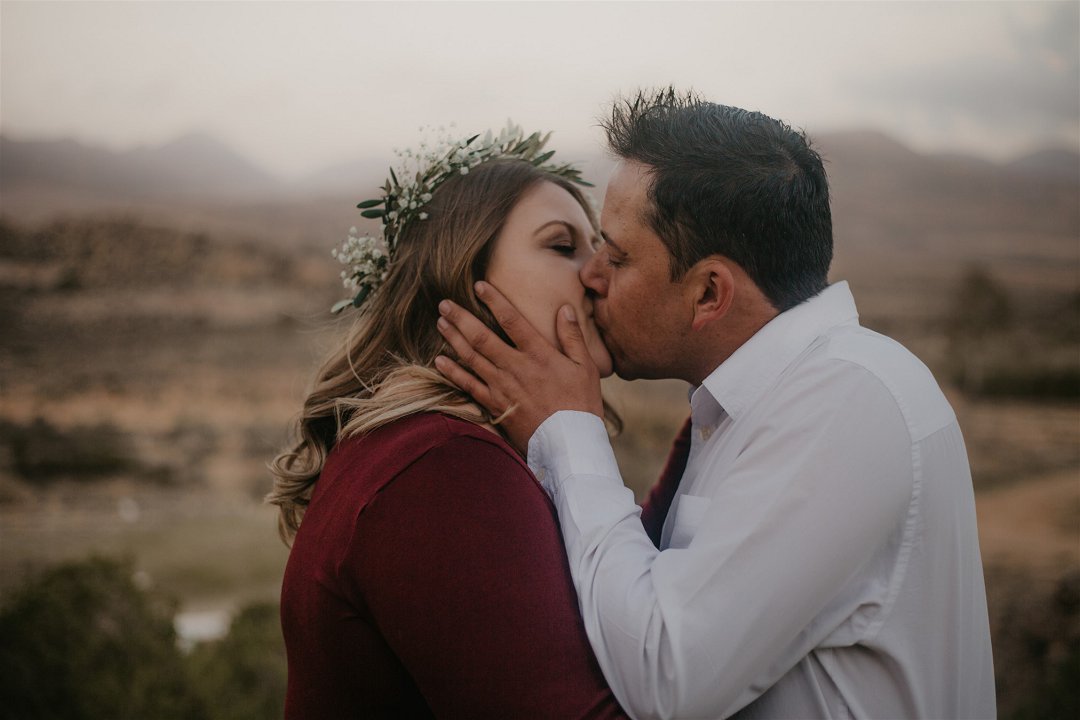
pixel 621 371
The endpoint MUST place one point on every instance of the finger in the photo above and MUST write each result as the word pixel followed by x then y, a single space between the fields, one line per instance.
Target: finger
pixel 468 382
pixel 467 354
pixel 571 337
pixel 474 338
pixel 521 331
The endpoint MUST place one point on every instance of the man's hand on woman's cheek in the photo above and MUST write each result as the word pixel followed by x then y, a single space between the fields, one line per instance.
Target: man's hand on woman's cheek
pixel 527 383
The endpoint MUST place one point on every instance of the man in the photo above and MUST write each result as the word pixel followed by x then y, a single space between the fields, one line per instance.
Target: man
pixel 818 556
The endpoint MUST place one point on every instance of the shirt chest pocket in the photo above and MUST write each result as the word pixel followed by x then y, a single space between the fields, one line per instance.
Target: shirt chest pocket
pixel 688 515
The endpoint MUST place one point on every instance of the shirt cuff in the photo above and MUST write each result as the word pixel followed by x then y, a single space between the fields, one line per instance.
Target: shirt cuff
pixel 570 442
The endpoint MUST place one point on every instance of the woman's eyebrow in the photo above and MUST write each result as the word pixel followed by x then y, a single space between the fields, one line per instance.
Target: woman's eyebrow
pixel 573 230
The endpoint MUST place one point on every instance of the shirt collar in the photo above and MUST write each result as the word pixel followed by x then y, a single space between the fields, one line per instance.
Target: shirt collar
pixel 754 367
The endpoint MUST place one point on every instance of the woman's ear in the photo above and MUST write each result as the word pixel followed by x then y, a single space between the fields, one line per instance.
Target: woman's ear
pixel 713 286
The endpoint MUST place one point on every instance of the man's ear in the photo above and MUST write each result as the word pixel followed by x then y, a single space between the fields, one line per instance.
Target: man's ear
pixel 713 286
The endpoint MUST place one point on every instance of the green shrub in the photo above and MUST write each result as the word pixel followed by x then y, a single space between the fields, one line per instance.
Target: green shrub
pixel 40 451
pixel 1036 636
pixel 994 350
pixel 1032 383
pixel 82 641
pixel 243 675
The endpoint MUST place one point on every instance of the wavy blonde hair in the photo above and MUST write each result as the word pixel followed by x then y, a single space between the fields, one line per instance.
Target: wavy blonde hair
pixel 384 370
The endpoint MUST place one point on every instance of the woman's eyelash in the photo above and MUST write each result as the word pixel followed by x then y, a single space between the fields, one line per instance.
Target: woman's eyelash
pixel 563 243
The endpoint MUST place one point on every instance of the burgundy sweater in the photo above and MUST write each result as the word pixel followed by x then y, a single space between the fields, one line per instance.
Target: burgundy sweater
pixel 428 579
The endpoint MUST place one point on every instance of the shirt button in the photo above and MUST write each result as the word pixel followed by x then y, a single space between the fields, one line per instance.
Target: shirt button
pixel 706 431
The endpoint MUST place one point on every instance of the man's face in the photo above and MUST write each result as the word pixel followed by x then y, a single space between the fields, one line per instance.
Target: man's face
pixel 642 316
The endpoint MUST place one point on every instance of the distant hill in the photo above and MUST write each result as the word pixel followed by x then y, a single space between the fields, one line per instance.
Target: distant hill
pixel 1056 163
pixel 880 158
pixel 199 165
pixel 194 165
pixel 897 189
pixel 907 224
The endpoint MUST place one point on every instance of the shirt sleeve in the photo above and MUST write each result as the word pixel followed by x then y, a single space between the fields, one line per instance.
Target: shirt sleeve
pixel 460 562
pixel 703 630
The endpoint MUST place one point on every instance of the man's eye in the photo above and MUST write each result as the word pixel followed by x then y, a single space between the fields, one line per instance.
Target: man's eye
pixel 614 262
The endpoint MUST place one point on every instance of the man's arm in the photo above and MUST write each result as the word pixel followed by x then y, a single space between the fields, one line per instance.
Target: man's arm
pixel 702 631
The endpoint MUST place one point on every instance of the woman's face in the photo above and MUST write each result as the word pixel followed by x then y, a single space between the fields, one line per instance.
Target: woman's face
pixel 535 262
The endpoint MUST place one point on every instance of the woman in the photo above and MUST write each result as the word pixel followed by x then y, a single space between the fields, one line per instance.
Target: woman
pixel 427 575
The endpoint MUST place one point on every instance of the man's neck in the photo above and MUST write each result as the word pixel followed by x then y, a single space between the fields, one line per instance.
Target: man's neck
pixel 732 336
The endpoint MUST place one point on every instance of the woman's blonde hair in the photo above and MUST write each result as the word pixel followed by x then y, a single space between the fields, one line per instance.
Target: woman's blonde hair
pixel 384 370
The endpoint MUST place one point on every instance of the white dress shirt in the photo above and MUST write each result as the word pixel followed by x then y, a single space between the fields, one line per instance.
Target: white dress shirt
pixel 820 558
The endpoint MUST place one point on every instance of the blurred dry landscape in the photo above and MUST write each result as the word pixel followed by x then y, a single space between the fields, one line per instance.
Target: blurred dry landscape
pixel 162 311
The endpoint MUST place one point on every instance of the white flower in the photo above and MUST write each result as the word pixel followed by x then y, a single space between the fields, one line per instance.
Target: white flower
pixel 464 170
pixel 423 216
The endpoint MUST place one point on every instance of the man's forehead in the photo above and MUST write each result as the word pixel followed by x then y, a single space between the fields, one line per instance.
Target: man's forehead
pixel 630 177
pixel 626 196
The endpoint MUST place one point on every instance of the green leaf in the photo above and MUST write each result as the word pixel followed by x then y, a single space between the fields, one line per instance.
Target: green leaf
pixel 370 204
pixel 373 213
pixel 540 159
pixel 361 296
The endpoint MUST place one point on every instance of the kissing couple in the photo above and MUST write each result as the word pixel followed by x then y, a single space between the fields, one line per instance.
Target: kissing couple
pixel 462 543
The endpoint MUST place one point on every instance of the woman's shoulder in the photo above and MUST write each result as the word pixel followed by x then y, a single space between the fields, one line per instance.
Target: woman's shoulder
pixel 441 429
pixel 378 457
pixel 431 460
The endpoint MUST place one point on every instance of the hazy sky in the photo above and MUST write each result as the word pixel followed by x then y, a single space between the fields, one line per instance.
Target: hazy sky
pixel 300 85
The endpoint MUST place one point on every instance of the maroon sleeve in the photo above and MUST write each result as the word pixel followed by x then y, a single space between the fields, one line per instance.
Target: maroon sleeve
pixel 655 508
pixel 461 564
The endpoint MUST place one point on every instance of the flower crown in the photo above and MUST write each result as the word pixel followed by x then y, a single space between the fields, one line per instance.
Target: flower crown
pixel 367 258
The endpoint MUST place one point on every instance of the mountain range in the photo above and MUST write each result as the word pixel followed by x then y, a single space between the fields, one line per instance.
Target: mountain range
pixel 192 165
pixel 198 165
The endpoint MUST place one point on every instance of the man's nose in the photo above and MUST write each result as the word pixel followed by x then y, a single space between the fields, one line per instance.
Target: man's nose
pixel 592 274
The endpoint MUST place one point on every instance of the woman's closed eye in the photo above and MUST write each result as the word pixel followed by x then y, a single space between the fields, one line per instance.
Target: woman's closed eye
pixel 564 244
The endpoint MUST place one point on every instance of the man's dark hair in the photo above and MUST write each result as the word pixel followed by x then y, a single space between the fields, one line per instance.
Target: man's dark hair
pixel 731 182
